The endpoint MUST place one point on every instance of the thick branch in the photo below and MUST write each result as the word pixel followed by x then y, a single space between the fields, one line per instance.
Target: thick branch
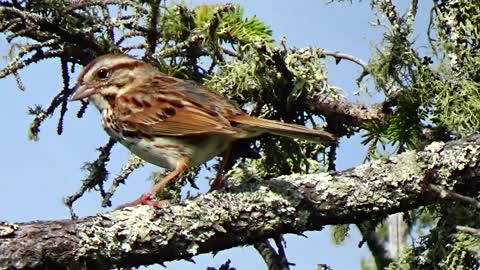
pixel 246 214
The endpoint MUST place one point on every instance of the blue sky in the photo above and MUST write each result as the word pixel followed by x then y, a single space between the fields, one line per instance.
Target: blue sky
pixel 37 175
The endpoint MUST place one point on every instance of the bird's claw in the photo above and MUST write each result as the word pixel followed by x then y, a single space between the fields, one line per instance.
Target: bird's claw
pixel 145 199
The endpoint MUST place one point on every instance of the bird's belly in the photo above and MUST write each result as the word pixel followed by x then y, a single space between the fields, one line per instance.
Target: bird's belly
pixel 162 152
pixel 206 148
pixel 167 152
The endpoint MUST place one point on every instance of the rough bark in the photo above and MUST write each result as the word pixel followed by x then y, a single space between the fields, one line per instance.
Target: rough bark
pixel 246 214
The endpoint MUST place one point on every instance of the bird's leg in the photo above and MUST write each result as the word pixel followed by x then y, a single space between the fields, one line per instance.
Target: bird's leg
pixel 218 183
pixel 145 199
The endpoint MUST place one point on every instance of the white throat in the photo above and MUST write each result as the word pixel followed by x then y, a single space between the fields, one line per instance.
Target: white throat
pixel 99 102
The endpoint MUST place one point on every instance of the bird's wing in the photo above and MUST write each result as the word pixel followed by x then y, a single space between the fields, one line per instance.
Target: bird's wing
pixel 165 106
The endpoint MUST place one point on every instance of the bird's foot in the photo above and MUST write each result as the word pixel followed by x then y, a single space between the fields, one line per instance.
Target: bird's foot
pixel 145 199
pixel 218 184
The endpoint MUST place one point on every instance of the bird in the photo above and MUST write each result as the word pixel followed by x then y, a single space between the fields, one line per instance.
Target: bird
pixel 171 122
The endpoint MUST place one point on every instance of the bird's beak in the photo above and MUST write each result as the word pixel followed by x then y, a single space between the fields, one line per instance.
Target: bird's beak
pixel 82 91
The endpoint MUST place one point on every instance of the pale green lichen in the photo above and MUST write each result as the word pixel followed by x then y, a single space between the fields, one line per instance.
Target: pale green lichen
pixel 7 228
pixel 121 235
pixel 435 147
pixel 193 248
pixel 307 66
pixel 195 221
pixel 448 161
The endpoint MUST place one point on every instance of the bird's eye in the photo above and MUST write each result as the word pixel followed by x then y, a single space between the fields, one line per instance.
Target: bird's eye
pixel 103 74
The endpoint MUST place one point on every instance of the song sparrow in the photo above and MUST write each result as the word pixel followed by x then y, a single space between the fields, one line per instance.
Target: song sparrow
pixel 171 122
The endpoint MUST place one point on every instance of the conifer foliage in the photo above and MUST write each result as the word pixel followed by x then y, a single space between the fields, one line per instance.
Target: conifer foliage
pixel 428 97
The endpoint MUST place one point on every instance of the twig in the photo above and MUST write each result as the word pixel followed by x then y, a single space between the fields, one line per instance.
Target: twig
pixel 96 177
pixel 231 53
pixel 469 230
pixel 66 91
pixel 338 56
pixel 332 155
pixel 273 260
pixel 132 164
pixel 15 64
pixel 82 4
pixel 281 245
pixel 59 100
pixel 380 254
pixel 225 266
pixel 444 193
pixel 173 51
pixel 411 13
pixel 152 33
pixel 83 108
pixel 108 23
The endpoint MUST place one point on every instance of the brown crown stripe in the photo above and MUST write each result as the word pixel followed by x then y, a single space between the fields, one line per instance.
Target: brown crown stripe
pixel 88 67
pixel 127 65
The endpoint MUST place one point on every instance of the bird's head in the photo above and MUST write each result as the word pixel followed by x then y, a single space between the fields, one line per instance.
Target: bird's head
pixel 106 77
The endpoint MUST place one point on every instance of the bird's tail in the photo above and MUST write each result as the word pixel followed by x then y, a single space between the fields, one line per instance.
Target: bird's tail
pixel 283 129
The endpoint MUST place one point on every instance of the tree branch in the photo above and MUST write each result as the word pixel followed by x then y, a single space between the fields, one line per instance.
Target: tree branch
pixel 339 56
pixel 246 214
pixel 379 253
pixel 343 111
pixel 273 260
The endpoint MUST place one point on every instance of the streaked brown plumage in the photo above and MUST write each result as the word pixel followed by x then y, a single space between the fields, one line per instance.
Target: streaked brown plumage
pixel 170 122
